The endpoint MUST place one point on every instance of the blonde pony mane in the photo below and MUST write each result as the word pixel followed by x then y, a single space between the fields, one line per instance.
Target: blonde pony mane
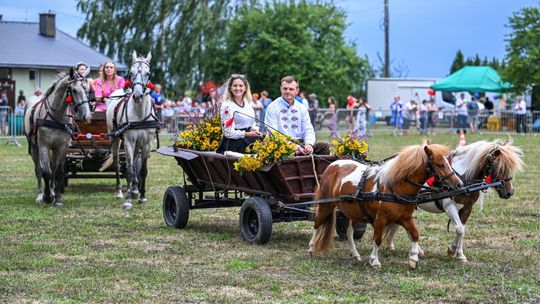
pixel 409 161
pixel 508 162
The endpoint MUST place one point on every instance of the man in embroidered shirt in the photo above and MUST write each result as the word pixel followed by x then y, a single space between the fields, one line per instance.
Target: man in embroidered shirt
pixel 288 116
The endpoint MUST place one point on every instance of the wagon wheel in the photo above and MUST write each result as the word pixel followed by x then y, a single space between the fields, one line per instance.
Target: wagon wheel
pixel 341 227
pixel 175 207
pixel 256 220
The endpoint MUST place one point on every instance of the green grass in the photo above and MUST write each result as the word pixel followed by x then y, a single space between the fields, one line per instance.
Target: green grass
pixel 91 250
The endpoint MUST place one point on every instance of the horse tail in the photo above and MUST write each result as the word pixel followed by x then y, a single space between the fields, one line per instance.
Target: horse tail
pixel 323 240
pixel 389 232
pixel 323 237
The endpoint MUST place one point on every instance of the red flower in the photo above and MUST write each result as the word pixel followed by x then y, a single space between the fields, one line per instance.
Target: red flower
pixel 150 85
pixel 69 99
pixel 430 181
pixel 127 84
pixel 488 179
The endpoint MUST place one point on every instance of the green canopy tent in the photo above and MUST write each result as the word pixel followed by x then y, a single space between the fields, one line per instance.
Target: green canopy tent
pixel 473 79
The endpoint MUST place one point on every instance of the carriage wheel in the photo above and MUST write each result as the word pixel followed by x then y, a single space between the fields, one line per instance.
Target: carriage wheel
pixel 256 220
pixel 175 207
pixel 341 227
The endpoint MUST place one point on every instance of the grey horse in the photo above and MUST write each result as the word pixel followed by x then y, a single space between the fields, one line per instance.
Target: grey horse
pixel 48 125
pixel 132 120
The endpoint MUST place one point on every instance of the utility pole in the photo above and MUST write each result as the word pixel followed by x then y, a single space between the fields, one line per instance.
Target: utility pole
pixel 386 40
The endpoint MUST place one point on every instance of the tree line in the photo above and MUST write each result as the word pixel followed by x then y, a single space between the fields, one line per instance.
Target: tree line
pixel 196 41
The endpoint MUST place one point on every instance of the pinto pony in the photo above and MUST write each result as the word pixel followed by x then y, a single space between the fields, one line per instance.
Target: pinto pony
pixel 480 161
pixel 401 176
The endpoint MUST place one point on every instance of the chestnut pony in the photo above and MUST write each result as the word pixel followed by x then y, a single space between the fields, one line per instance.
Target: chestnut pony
pixel 401 175
pixel 478 161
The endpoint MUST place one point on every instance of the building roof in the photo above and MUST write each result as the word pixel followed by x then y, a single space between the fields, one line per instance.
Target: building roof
pixel 23 46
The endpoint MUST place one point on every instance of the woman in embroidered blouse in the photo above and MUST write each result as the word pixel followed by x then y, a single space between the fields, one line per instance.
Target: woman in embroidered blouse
pixel 237 116
pixel 106 84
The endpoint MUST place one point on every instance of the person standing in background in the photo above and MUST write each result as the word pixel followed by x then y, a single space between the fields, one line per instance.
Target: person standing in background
pixel 158 100
pixel 462 114
pixel 257 105
pixel 265 101
pixel 331 116
pixel 432 115
pixel 521 115
pixel 362 117
pixel 313 107
pixel 4 105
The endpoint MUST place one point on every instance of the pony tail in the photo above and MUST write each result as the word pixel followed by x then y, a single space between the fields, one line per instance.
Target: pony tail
pixel 323 237
pixel 323 240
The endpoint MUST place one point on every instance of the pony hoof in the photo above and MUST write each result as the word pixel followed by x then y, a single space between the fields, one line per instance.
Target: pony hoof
pixel 391 248
pixel 143 201
pixel 375 264
pixel 451 254
pixel 421 254
pixel 412 264
pixel 59 203
pixel 128 206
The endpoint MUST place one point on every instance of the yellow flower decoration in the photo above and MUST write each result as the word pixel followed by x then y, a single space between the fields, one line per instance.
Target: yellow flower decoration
pixel 350 145
pixel 204 136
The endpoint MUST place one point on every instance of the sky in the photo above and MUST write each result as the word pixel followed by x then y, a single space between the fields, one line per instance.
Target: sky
pixel 424 34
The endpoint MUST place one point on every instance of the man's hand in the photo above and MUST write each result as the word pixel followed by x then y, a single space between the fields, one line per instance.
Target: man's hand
pixel 252 134
pixel 308 149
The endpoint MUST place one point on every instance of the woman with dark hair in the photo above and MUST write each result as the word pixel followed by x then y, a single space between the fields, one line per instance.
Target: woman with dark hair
pixel 237 116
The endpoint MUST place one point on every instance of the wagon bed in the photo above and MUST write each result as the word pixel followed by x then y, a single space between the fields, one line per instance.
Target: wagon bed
pixel 87 154
pixel 263 194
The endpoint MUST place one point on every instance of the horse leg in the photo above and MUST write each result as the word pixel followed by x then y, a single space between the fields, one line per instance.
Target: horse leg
pixel 115 147
pixel 130 173
pixel 46 173
pixel 378 229
pixel 389 234
pixel 136 175
pixel 57 166
pixel 143 174
pixel 350 242
pixel 456 248
pixel 34 152
pixel 413 234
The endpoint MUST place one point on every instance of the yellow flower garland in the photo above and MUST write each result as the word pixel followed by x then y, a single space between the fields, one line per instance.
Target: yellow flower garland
pixel 275 147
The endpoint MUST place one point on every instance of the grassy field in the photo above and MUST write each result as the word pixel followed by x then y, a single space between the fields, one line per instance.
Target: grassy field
pixel 91 250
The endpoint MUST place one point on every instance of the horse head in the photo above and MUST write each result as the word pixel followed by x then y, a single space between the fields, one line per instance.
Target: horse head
pixel 77 94
pixel 500 164
pixel 139 76
pixel 439 168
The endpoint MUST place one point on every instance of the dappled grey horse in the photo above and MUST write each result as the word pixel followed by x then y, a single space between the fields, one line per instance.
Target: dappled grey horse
pixel 131 119
pixel 48 125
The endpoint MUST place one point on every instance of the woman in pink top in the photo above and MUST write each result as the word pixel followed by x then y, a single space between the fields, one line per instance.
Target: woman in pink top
pixel 107 84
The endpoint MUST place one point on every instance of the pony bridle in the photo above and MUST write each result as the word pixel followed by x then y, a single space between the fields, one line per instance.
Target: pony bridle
pixel 433 178
pixel 489 175
pixel 135 78
pixel 69 95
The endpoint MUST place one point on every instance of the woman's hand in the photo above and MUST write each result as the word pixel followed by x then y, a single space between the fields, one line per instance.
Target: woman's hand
pixel 252 134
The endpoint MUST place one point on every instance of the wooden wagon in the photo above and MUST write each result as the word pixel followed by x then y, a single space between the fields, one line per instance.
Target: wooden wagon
pixel 89 150
pixel 263 195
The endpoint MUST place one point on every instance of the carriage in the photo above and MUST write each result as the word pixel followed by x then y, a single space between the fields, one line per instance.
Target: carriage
pixel 89 150
pixel 265 196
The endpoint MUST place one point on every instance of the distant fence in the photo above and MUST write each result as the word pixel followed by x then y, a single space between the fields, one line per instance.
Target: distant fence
pixel 11 125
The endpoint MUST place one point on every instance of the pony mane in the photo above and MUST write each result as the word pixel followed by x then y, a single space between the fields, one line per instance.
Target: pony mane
pixel 409 161
pixel 59 77
pixel 508 163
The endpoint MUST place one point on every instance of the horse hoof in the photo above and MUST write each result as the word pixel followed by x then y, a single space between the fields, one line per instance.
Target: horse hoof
pixel 451 254
pixel 142 201
pixel 391 248
pixel 39 201
pixel 375 264
pixel 59 203
pixel 421 253
pixel 412 264
pixel 119 195
pixel 357 258
pixel 128 206
pixel 135 194
pixel 463 260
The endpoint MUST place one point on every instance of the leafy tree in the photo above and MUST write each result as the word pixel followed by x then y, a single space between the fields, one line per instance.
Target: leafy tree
pixel 523 49
pixel 267 42
pixel 180 34
pixel 458 62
